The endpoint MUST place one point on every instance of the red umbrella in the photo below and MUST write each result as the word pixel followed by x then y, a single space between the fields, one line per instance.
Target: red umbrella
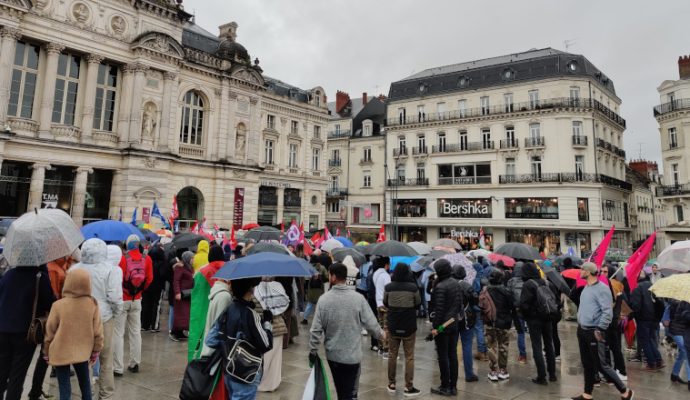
pixel 571 273
pixel 507 261
pixel 250 225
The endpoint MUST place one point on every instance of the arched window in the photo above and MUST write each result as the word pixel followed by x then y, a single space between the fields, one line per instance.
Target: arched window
pixel 192 127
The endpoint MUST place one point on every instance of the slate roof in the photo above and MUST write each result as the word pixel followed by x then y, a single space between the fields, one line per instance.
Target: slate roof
pixel 357 106
pixel 281 88
pixel 526 66
pixel 198 38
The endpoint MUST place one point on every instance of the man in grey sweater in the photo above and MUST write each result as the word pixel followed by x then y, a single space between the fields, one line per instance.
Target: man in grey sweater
pixel 593 317
pixel 340 314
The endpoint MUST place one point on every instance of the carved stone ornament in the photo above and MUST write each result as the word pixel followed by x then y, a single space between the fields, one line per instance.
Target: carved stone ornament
pixel 118 25
pixel 40 4
pixel 94 58
pixel 239 173
pixel 13 33
pixel 150 162
pixel 246 76
pixel 149 121
pixel 81 13
pixel 169 76
pixel 160 43
pixel 54 48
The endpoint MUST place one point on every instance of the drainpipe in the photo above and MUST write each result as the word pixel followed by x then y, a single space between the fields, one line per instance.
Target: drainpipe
pixel 594 148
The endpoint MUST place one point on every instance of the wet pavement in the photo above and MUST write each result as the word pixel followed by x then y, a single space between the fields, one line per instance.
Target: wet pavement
pixel 163 365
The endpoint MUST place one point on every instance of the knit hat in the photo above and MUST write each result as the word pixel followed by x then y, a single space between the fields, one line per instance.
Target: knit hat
pixel 132 242
pixel 216 254
pixel 590 267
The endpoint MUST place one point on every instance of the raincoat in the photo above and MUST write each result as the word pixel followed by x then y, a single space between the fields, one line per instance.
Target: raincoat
pixel 201 257
pixel 203 280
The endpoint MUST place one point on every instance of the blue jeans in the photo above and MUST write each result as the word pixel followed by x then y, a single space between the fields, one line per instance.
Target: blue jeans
pixel 65 387
pixel 466 337
pixel 648 340
pixel 682 357
pixel 479 330
pixel 171 317
pixel 308 310
pixel 96 368
pixel 242 391
pixel 522 350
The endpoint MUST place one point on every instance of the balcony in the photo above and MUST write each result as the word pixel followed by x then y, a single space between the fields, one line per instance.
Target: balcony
pixel 334 163
pixel 509 144
pixel 567 177
pixel 268 199
pixel 343 133
pixel 673 190
pixel 673 146
pixel 187 150
pixel 579 141
pixel 675 105
pixel 420 151
pixel 336 192
pixel 514 108
pixel 464 180
pixel 408 182
pixel 533 142
pixel 400 152
pixel 464 146
pixel 602 144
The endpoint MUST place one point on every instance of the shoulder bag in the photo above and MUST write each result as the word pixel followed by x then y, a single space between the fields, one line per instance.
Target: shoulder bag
pixel 243 362
pixel 37 327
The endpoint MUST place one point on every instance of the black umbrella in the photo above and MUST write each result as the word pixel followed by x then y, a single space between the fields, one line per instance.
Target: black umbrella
pixel 556 278
pixel 268 247
pixel 262 233
pixel 518 251
pixel 366 249
pixel 340 253
pixel 393 248
pixel 187 240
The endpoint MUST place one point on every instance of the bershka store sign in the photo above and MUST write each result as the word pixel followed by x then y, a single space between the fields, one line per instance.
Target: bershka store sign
pixel 464 208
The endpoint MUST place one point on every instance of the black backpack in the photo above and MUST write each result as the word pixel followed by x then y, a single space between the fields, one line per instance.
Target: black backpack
pixel 547 305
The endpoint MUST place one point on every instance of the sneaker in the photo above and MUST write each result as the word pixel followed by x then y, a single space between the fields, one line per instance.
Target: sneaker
pixel 411 392
pixel 391 388
pixel 540 381
pixel 558 358
pixel 117 374
pixel 155 330
pixel 622 377
pixel 384 355
pixel 304 322
pixel 364 332
pixel 503 374
pixel 145 329
pixel 522 360
pixel 174 338
pixel 630 395
pixel 374 348
pixel 133 368
pixel 635 359
pixel 441 391
pixel 493 376
pixel 473 378
pixel 553 378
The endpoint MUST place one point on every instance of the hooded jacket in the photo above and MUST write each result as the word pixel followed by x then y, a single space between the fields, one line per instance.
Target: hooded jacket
pixel 446 297
pixel 402 300
pixel 468 299
pixel 219 300
pixel 201 257
pixel 74 329
pixel 528 295
pixel 17 288
pixel 106 278
pixel 503 300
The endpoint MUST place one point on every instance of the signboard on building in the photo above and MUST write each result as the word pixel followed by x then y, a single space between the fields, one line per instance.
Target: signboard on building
pixel 464 208
pixel 276 184
pixel 49 200
pixel 146 215
pixel 238 216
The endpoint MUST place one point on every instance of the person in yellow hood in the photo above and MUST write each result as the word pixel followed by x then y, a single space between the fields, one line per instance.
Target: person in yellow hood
pixel 201 257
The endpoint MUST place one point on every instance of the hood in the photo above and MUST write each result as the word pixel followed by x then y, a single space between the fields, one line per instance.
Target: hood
pixel 459 272
pixel 77 284
pixel 219 287
pixel 443 270
pixel 215 253
pixel 202 247
pixel 114 255
pixel 530 271
pixel 94 251
pixel 187 258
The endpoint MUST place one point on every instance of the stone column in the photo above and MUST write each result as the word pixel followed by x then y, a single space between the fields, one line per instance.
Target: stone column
pixel 169 98
pixel 125 104
pixel 79 195
pixel 38 175
pixel 7 49
pixel 117 195
pixel 232 126
pixel 135 110
pixel 281 204
pixel 94 61
pixel 224 128
pixel 53 50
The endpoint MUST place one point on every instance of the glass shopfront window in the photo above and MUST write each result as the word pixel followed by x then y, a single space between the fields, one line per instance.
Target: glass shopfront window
pixel 58 187
pixel 582 209
pixel 15 178
pixel 268 203
pixel 366 215
pixel 468 237
pixel 532 207
pixel 545 241
pixel 464 208
pixel 411 208
pixel 464 174
pixel 97 201
pixel 291 198
pixel 412 234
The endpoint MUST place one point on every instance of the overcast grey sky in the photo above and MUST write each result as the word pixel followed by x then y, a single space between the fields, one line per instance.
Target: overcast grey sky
pixel 364 45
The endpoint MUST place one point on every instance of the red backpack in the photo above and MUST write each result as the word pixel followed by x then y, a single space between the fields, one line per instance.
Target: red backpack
pixel 135 275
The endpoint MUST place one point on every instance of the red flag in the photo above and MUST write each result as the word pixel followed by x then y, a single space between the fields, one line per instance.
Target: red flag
pixel 282 227
pixel 337 231
pixel 349 235
pixel 637 260
pixel 599 254
pixel 326 234
pixel 174 213
pixel 382 234
pixel 305 243
pixel 317 240
pixel 195 228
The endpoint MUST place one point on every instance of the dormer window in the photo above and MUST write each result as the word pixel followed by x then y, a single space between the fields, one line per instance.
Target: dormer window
pixel 463 81
pixel 422 88
pixel 508 74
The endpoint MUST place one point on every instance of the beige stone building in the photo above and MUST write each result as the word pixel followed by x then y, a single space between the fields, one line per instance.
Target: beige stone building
pixel 110 105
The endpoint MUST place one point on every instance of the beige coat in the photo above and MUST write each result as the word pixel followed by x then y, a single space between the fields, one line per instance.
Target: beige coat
pixel 74 328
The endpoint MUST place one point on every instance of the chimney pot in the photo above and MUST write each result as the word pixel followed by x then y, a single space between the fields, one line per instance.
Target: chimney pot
pixel 684 67
pixel 364 98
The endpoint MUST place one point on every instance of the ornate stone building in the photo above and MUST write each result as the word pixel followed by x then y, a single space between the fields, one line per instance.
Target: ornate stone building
pixel 109 105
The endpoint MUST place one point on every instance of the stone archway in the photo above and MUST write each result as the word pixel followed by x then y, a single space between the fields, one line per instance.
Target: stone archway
pixel 190 205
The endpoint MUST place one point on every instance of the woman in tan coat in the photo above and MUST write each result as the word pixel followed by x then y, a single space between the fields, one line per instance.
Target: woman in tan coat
pixel 74 333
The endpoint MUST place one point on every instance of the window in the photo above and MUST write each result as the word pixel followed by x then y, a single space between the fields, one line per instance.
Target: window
pixel 294 128
pixel 106 90
pixel 508 101
pixel 679 213
pixel 335 184
pixel 402 144
pixel 402 115
pixel 535 163
pixel 421 144
pixel 486 139
pixel 462 108
pixel 574 95
pixel 533 98
pixel 24 76
pixel 270 121
pixel 510 136
pixel 671 97
pixel 672 138
pixel 268 152
pixel 421 173
pixel 442 142
pixel 335 154
pixel 484 101
pixel 366 215
pixel 367 130
pixel 510 166
pixel 317 132
pixel 463 140
pixel 464 174
pixel 421 115
pixel 675 174
pixel 577 128
pixel 315 158
pixel 400 173
pixel 367 179
pixel 532 208
pixel 333 207
pixel 317 99
pixel 410 208
pixel 367 154
pixel 441 110
pixel 534 131
pixel 66 89
pixel 292 162
pixel 579 167
pixel 191 130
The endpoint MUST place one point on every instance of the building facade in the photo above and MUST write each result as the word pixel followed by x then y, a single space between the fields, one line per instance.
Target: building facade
pixel 108 106
pixel 525 147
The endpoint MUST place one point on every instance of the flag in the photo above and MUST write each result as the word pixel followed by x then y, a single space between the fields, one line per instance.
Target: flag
pixel 481 238
pixel 202 227
pixel 326 234
pixel 216 228
pixel 305 243
pixel 599 254
pixel 120 216
pixel 282 227
pixel 293 235
pixel 316 387
pixel 382 234
pixel 637 260
pixel 349 235
pixel 156 212
pixel 134 216
pixel 317 240
pixel 194 228
pixel 337 232
pixel 174 213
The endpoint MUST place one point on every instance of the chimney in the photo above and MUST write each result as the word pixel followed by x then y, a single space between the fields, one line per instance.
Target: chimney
pixel 341 100
pixel 684 67
pixel 364 98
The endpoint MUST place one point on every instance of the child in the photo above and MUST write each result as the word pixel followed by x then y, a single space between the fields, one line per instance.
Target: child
pixel 74 334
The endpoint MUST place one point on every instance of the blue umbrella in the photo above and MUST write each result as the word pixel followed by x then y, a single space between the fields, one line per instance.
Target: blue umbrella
pixel 149 235
pixel 264 264
pixel 403 259
pixel 110 231
pixel 345 241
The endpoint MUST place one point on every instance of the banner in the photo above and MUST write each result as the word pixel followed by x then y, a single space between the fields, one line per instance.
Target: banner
pixel 146 215
pixel 238 216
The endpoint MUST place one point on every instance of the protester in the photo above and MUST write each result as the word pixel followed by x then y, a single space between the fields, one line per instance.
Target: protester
pixel 614 332
pixel 203 280
pixel 201 258
pixel 219 300
pixel 594 316
pixel 401 298
pixel 183 282
pixel 683 315
pixel 337 320
pixel 532 305
pixel 150 299
pixel 656 274
pixel 482 268
pixel 273 359
pixel 676 326
pixel 466 324
pixel 446 298
pixel 497 330
pixel 381 278
pixel 106 288
pixel 316 284
pixel 515 284
pixel 241 321
pixel 371 297
pixel 74 334
pixel 648 312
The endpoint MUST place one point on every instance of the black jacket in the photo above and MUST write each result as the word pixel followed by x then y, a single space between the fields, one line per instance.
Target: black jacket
pixel 528 296
pixel 643 305
pixel 446 299
pixel 159 264
pixel 503 300
pixel 677 326
pixel 17 289
pixel 241 317
pixel 402 300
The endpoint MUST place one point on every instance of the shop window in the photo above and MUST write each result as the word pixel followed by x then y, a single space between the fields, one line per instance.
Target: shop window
pixel 15 178
pixel 532 208
pixel 411 208
pixel 292 198
pixel 582 209
pixel 464 174
pixel 545 241
pixel 97 201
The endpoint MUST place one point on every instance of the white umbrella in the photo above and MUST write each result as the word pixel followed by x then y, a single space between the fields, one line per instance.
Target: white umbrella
pixel 478 252
pixel 331 244
pixel 40 236
pixel 272 297
pixel 420 247
pixel 675 257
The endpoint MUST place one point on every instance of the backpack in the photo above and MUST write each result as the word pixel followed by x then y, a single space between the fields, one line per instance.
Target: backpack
pixel 547 305
pixel 135 275
pixel 487 306
pixel 467 314
pixel 515 286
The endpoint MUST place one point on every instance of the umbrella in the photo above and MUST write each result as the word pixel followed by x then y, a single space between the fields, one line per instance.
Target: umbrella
pixel 673 287
pixel 405 260
pixel 109 230
pixel 272 297
pixel 449 243
pixel 392 248
pixel 577 261
pixel 40 236
pixel 164 233
pixel 262 233
pixel 340 253
pixel 420 247
pixel 366 249
pixel 187 240
pixel 460 259
pixel 479 252
pixel 250 225
pixel 421 263
pixel 331 244
pixel 675 257
pixel 149 235
pixel 344 241
pixel 507 261
pixel 554 277
pixel 518 251
pixel 264 264
pixel 362 243
pixel 268 247
pixel 571 273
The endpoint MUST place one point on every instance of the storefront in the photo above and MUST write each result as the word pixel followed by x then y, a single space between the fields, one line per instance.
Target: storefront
pixel 97 199
pixel 579 242
pixel 58 187
pixel 548 241
pixel 468 237
pixel 268 206
pixel 15 179
pixel 532 207
pixel 412 234
pixel 411 208
pixel 292 206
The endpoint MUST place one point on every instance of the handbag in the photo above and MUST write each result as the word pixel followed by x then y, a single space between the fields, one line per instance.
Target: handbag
pixel 186 293
pixel 37 327
pixel 243 361
pixel 201 376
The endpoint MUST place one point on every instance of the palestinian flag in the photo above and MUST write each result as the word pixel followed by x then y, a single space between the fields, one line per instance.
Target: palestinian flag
pixel 317 385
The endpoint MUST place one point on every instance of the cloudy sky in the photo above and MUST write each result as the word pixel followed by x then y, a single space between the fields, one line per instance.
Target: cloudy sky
pixel 363 45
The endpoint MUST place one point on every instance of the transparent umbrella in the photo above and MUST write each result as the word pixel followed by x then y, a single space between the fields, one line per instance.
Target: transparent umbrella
pixel 40 236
